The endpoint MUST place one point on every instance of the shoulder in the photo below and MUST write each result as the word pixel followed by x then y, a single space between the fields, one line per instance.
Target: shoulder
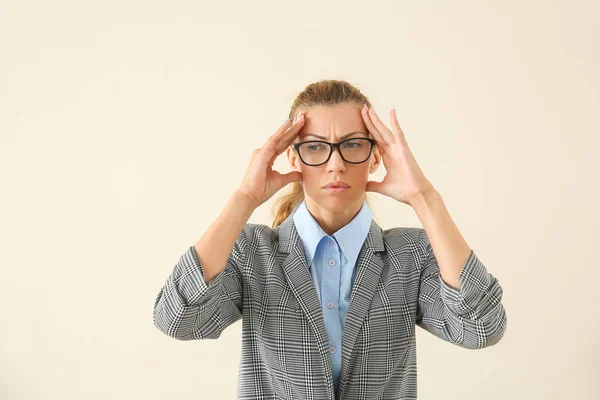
pixel 258 234
pixel 402 239
pixel 401 235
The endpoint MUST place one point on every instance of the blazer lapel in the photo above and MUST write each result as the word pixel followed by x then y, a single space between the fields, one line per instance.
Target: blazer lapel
pixel 369 268
pixel 302 285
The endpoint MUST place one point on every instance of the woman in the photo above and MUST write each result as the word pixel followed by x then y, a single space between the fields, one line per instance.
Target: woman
pixel 329 300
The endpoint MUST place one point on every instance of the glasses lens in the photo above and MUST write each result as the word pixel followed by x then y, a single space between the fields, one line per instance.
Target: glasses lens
pixel 353 150
pixel 314 152
pixel 356 150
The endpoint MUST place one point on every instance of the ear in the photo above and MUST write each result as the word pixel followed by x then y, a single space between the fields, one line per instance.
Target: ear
pixel 376 160
pixel 293 159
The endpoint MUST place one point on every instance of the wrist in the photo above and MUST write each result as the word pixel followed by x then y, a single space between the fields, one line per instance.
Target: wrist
pixel 425 199
pixel 244 200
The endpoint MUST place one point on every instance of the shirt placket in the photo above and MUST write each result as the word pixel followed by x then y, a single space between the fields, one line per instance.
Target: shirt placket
pixel 331 275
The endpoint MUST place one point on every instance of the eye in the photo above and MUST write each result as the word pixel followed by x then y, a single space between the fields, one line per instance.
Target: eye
pixel 353 144
pixel 315 146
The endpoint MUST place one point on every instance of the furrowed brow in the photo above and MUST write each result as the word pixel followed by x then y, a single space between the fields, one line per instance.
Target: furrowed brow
pixel 341 138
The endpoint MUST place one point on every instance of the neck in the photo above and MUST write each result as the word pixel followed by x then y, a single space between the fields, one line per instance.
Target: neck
pixel 332 221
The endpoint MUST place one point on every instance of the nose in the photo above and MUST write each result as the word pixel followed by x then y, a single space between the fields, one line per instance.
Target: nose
pixel 336 162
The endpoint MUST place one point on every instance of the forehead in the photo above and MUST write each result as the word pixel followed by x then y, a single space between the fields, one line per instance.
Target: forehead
pixel 333 121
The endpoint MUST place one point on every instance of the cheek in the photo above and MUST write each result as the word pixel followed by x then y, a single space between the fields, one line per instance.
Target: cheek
pixel 312 180
pixel 308 175
pixel 361 174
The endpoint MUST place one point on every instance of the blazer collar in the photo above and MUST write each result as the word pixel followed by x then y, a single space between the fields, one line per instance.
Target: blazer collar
pixel 369 267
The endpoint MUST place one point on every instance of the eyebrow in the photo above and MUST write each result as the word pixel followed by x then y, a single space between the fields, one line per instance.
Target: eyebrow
pixel 341 138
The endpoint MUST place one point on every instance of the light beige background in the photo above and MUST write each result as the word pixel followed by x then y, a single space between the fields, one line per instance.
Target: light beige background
pixel 126 125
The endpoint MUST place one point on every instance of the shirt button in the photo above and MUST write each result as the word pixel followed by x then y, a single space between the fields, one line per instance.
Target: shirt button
pixel 332 349
pixel 332 262
pixel 330 305
pixel 330 242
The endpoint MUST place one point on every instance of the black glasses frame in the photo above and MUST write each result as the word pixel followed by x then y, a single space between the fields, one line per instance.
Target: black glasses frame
pixel 335 145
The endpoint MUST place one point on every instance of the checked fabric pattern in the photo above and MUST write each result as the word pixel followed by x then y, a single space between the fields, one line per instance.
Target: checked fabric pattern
pixel 266 283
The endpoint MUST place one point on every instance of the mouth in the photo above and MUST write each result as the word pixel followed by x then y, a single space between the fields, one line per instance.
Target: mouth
pixel 336 187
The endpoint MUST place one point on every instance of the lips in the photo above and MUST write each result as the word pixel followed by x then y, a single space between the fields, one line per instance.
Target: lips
pixel 336 184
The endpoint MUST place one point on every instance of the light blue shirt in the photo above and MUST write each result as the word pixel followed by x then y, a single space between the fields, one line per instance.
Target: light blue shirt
pixel 332 261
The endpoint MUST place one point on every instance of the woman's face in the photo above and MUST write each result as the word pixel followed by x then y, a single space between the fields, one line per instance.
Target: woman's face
pixel 334 124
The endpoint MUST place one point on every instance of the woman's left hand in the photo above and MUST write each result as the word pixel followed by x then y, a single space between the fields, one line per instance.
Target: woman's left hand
pixel 404 180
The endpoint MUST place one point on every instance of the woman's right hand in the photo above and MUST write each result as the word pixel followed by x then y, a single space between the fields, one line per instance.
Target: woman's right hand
pixel 261 182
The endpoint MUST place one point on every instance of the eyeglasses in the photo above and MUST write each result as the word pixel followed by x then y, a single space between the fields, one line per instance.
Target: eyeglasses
pixel 318 152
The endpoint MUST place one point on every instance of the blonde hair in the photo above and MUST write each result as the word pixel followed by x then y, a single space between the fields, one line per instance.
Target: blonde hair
pixel 327 92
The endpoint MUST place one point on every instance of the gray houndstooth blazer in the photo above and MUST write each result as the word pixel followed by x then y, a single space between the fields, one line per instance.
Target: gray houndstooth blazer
pixel 285 351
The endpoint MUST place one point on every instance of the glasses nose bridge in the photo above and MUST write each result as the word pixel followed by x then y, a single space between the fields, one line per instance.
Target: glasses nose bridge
pixel 332 147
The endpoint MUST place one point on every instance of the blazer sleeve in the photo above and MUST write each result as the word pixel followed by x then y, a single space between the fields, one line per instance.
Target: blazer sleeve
pixel 472 316
pixel 188 308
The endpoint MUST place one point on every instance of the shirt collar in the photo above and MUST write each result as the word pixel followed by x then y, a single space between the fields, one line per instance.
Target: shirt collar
pixel 350 237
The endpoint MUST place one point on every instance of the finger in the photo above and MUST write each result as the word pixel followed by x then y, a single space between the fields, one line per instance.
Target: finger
pixel 385 132
pixel 373 186
pixel 371 128
pixel 288 124
pixel 294 176
pixel 283 128
pixel 280 142
pixel 396 126
pixel 278 145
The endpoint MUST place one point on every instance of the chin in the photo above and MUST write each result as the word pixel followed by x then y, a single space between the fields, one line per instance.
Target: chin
pixel 337 201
